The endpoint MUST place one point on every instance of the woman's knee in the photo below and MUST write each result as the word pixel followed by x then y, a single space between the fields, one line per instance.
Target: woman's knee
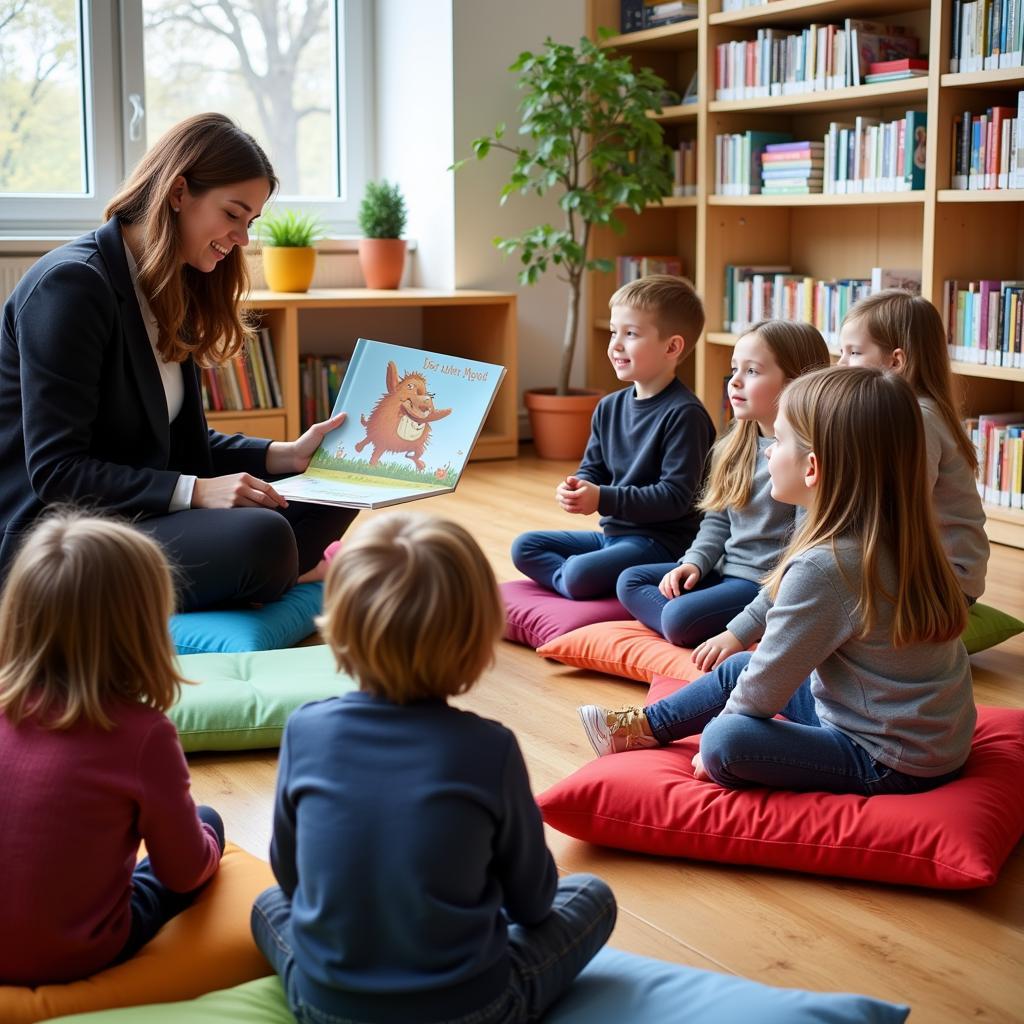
pixel 269 553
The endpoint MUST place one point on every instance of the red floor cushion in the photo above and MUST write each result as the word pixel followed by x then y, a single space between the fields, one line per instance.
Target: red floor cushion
pixel 534 615
pixel 954 837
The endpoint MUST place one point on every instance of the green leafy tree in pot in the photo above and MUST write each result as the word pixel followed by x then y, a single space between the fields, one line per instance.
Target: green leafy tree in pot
pixel 585 111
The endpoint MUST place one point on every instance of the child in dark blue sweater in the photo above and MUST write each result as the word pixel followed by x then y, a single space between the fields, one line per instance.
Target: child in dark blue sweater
pixel 414 882
pixel 644 464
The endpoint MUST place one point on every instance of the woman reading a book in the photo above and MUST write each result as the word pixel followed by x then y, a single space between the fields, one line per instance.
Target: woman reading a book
pixel 100 403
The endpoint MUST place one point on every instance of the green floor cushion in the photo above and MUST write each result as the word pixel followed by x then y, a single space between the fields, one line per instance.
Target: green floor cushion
pixel 241 701
pixel 988 626
pixel 616 988
pixel 272 626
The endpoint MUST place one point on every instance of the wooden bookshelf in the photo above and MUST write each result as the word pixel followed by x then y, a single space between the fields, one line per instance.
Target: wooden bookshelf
pixel 472 324
pixel 948 233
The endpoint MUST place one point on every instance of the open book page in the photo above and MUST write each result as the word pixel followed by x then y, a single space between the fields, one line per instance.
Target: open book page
pixel 413 418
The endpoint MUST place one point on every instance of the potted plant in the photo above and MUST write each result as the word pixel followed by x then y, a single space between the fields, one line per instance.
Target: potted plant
pixel 588 137
pixel 382 220
pixel 289 258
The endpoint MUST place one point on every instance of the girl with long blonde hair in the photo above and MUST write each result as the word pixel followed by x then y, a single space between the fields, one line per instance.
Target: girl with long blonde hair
pixel 91 764
pixel 859 624
pixel 894 330
pixel 744 529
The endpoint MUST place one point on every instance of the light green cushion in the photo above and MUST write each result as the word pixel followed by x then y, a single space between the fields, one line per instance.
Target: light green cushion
pixel 987 627
pixel 241 701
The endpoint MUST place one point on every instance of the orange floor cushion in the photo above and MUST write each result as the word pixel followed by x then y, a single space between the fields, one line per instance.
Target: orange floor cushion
pixel 208 947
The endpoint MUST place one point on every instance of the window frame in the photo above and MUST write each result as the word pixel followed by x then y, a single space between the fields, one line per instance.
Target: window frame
pixel 113 70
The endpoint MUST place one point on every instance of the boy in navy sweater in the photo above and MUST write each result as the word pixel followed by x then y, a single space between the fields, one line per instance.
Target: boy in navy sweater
pixel 413 878
pixel 644 464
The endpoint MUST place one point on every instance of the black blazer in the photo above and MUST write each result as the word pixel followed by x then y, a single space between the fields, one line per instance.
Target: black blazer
pixel 83 415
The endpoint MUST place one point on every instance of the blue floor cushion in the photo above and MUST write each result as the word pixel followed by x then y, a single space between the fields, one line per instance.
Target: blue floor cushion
pixel 279 624
pixel 616 988
pixel 241 701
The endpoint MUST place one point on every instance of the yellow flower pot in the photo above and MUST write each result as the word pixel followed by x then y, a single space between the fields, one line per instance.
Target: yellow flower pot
pixel 289 268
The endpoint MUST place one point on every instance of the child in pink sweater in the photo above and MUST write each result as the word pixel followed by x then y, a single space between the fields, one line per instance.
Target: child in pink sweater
pixel 91 764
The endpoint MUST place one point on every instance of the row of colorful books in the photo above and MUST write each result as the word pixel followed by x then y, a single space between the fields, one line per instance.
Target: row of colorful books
pixel 819 58
pixel 869 155
pixel 759 293
pixel 630 268
pixel 988 148
pixel 640 14
pixel 984 322
pixel 999 441
pixel 738 160
pixel 684 168
pixel 249 381
pixel 320 380
pixel 986 35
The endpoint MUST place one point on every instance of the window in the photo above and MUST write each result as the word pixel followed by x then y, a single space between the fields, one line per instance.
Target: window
pixel 294 73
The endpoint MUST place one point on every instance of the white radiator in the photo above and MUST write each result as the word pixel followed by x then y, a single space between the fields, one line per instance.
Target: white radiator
pixel 11 269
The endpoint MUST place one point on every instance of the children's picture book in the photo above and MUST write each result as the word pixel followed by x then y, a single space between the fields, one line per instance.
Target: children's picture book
pixel 413 417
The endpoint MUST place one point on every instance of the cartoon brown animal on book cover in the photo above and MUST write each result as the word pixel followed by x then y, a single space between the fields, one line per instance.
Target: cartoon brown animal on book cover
pixel 400 421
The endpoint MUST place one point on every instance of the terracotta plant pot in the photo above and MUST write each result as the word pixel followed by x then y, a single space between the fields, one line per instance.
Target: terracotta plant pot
pixel 382 261
pixel 288 268
pixel 561 423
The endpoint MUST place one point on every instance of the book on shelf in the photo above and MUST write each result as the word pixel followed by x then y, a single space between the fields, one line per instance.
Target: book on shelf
pixel 890 67
pixel 413 418
pixel 739 5
pixel 630 268
pixel 986 35
pixel 668 12
pixel 249 381
pixel 690 93
pixel 738 161
pixel 792 168
pixel 870 156
pixel 987 151
pixel 684 169
pixel 320 380
pixel 872 42
pixel 999 443
pixel 893 76
pixel 983 321
pixel 883 278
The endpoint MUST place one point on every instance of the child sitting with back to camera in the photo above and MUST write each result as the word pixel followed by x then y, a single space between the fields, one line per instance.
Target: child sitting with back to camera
pixel 414 882
pixel 894 330
pixel 644 462
pixel 859 623
pixel 744 529
pixel 91 764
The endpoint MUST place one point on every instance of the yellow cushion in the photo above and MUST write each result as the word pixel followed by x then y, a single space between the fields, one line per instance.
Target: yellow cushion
pixel 207 947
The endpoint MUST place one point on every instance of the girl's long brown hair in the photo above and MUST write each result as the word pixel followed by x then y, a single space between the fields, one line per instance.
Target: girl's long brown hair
pixel 896 319
pixel 797 348
pixel 865 429
pixel 83 623
pixel 197 313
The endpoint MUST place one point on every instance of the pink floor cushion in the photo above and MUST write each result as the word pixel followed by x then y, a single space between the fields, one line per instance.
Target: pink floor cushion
pixel 955 837
pixel 534 615
pixel 627 649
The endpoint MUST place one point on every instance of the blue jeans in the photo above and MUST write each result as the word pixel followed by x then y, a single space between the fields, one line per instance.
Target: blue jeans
pixel 692 617
pixel 579 565
pixel 152 903
pixel 545 959
pixel 800 753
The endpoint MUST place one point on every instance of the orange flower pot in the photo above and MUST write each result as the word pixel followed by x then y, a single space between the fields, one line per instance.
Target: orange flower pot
pixel 382 261
pixel 561 423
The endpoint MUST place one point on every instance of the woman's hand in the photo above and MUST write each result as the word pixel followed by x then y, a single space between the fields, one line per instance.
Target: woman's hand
pixel 237 490
pixel 294 456
pixel 670 586
pixel 713 652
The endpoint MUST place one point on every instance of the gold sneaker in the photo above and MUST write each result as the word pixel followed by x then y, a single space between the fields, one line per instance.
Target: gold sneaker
pixel 612 732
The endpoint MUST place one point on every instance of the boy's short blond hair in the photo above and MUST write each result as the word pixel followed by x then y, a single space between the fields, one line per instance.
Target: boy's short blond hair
pixel 672 301
pixel 412 608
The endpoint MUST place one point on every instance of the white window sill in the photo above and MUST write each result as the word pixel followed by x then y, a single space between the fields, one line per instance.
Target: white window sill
pixel 36 245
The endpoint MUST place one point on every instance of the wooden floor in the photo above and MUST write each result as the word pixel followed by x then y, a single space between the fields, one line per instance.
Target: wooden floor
pixel 952 957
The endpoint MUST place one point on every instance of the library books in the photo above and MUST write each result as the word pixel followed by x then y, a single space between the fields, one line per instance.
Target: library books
pixel 738 161
pixel 999 442
pixel 986 35
pixel 759 292
pixel 635 15
pixel 684 169
pixel 413 418
pixel 988 148
pixel 869 156
pixel 739 5
pixel 984 322
pixel 249 381
pixel 818 58
pixel 883 278
pixel 791 168
pixel 320 379
pixel 630 268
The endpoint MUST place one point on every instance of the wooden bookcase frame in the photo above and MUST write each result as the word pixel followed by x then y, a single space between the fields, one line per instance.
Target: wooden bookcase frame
pixel 948 234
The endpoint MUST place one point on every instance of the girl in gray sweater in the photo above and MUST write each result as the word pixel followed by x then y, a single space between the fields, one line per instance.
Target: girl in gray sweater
pixel 744 528
pixel 859 623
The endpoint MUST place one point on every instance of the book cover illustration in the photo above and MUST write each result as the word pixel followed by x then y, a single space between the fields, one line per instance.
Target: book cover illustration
pixel 413 417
